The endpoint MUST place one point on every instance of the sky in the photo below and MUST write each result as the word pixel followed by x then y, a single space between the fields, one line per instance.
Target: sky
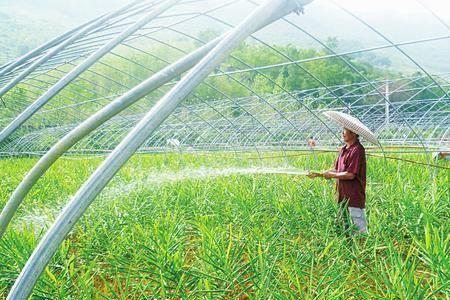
pixel 66 12
pixel 72 12
pixel 401 20
pixel 85 9
pixel 408 6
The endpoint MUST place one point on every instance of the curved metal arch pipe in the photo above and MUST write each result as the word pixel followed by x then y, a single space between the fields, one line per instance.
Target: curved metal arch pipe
pixel 273 82
pixel 83 31
pixel 440 20
pixel 21 60
pixel 96 120
pixel 350 65
pixel 89 70
pixel 92 59
pixel 270 10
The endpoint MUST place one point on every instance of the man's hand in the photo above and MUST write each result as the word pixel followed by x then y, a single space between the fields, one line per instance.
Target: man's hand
pixel 330 174
pixel 313 175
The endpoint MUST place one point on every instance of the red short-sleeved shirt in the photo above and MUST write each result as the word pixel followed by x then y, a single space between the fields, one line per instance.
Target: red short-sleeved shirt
pixel 352 160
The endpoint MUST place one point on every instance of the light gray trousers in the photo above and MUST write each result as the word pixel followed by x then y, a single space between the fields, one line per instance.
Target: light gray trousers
pixel 352 217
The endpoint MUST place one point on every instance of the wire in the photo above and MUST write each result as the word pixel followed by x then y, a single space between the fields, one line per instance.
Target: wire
pixel 368 154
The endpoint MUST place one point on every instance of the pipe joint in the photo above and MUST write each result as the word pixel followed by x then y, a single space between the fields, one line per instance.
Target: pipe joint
pixel 301 6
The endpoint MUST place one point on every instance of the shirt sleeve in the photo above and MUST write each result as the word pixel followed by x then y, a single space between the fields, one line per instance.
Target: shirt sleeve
pixel 355 160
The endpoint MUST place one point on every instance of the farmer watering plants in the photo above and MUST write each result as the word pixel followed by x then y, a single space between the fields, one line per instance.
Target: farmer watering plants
pixel 350 172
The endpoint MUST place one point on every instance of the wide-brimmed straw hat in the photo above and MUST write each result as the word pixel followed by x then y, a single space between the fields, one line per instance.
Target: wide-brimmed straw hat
pixel 352 124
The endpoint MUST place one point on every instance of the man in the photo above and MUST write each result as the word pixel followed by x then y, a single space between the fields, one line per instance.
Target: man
pixel 312 143
pixel 350 175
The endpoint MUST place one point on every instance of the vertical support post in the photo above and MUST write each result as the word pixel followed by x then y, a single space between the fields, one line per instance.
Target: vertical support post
pixel 386 103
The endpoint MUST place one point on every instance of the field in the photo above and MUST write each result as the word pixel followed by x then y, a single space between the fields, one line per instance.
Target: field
pixel 209 227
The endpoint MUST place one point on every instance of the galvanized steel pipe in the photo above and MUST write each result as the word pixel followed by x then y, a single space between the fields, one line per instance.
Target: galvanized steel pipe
pixel 269 10
pixel 96 120
pixel 61 46
pixel 72 75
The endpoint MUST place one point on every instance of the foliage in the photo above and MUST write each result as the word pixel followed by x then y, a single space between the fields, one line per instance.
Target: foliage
pixel 155 233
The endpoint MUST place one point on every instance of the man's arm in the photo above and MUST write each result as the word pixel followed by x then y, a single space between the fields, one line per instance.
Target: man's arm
pixel 321 174
pixel 339 175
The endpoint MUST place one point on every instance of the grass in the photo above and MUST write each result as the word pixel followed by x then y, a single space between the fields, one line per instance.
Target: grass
pixel 160 232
